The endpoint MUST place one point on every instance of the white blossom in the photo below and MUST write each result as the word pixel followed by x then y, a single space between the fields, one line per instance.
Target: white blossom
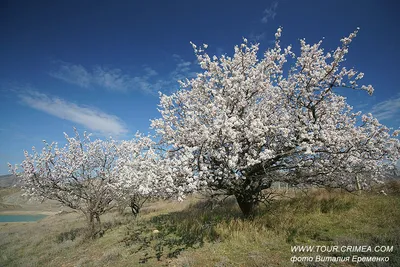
pixel 247 117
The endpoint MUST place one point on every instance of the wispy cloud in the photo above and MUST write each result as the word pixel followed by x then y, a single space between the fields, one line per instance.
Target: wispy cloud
pixel 108 78
pixel 256 37
pixel 89 117
pixel 269 13
pixel 183 69
pixel 74 74
pixel 389 109
pixel 150 81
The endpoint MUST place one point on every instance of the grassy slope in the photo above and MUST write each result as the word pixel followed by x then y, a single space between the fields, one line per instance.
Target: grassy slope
pixel 190 234
pixel 7 180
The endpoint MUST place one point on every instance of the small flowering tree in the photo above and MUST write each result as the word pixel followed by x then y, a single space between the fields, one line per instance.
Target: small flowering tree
pixel 141 173
pixel 246 122
pixel 79 175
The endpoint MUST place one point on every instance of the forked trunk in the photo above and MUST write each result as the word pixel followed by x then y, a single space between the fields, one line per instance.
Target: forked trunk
pixel 246 204
pixel 94 224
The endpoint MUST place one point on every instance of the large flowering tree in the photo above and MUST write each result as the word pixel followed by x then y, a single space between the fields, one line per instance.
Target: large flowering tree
pixel 245 122
pixel 80 175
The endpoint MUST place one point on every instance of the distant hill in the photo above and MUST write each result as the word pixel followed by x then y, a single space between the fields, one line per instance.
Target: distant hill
pixel 8 180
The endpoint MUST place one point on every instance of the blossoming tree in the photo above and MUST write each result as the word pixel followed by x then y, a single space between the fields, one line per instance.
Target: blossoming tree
pixel 245 122
pixel 141 173
pixel 79 175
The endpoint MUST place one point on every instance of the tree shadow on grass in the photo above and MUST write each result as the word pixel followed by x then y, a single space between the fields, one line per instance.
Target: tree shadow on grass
pixel 70 235
pixel 166 236
pixel 83 233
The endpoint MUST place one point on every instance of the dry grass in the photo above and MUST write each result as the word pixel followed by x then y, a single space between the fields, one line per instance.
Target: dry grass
pixel 168 233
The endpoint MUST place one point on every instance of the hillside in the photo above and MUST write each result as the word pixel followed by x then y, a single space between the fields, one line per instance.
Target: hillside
pixel 7 180
pixel 190 233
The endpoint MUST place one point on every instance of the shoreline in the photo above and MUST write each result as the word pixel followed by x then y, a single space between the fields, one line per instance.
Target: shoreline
pixel 27 212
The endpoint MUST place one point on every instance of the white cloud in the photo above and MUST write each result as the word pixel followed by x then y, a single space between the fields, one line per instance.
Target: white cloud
pixel 111 79
pixel 386 110
pixel 182 70
pixel 74 74
pixel 116 80
pixel 89 117
pixel 150 72
pixel 254 37
pixel 269 13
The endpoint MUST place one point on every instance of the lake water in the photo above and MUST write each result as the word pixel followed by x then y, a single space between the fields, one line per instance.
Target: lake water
pixel 21 218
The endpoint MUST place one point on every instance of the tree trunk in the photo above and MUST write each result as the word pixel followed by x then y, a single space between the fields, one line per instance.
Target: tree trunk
pixel 98 221
pixel 246 204
pixel 100 230
pixel 91 225
pixel 135 208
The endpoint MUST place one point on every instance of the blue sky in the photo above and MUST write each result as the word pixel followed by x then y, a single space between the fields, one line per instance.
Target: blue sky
pixel 98 65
